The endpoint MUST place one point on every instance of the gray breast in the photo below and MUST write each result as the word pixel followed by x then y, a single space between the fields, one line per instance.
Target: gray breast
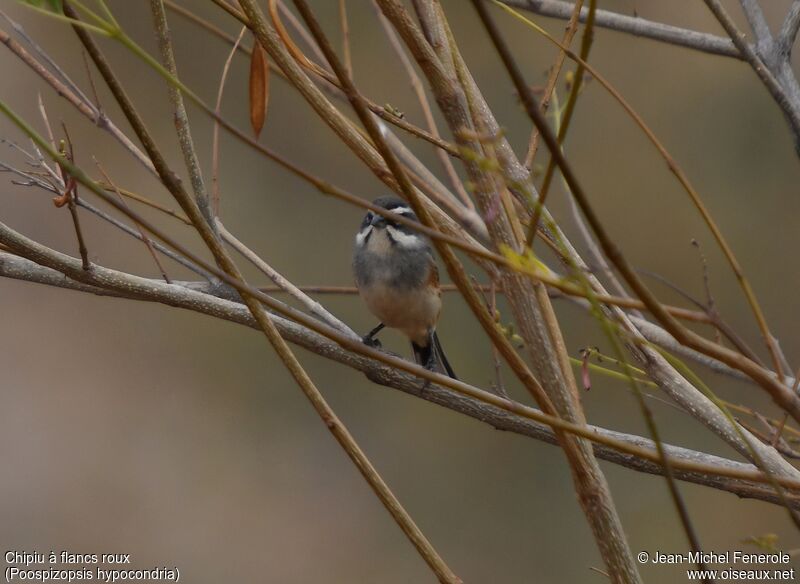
pixel 381 261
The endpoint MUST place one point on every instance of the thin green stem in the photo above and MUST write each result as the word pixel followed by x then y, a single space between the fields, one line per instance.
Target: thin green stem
pixel 566 118
pixel 66 19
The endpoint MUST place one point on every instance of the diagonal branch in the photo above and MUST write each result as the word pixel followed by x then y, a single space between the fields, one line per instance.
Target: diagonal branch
pixel 788 32
pixel 789 104
pixel 181 118
pixel 756 20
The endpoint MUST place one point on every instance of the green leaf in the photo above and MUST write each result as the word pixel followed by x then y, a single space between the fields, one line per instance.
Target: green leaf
pixel 53 5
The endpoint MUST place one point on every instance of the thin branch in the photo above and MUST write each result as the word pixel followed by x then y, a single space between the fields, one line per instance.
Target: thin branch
pixel 215 137
pixel 758 22
pixel 181 118
pixel 43 55
pixel 552 79
pixel 788 32
pixel 308 303
pixel 72 196
pixel 83 106
pixel 635 25
pixel 343 24
pixel 419 91
pixel 136 233
pixel 148 244
pixel 566 118
pixel 148 202
pixel 789 106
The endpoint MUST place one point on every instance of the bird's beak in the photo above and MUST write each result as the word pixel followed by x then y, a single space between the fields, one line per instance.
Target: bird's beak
pixel 378 221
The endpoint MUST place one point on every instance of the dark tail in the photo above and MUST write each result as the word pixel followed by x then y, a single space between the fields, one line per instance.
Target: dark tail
pixel 432 357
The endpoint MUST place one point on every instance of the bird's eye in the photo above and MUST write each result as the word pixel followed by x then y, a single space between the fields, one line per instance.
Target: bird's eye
pixel 369 215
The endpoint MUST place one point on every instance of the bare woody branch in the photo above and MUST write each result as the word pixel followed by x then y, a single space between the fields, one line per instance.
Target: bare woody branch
pixel 634 25
pixel 203 299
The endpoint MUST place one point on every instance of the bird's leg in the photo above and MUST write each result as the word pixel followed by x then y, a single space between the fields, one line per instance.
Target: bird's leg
pixel 369 339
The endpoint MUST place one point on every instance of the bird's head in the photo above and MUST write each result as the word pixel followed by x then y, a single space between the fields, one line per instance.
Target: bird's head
pixel 395 232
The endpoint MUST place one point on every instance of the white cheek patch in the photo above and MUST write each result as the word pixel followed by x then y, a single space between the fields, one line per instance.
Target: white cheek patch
pixel 362 235
pixel 407 240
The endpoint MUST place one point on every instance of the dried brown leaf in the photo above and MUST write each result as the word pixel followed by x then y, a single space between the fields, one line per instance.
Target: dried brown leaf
pixel 259 88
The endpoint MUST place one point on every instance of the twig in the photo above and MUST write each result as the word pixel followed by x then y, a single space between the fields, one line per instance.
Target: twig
pixel 782 425
pixel 148 244
pixel 181 118
pixel 96 96
pixel 348 60
pixel 136 233
pixel 215 138
pixel 419 91
pixel 149 202
pixel 31 180
pixel 73 211
pixel 635 25
pixel 70 193
pixel 789 106
pixel 552 79
pixel 45 57
pixel 308 303
pixel 352 290
pixel 83 106
pixel 789 29
pixel 714 316
pixel 491 305
pixel 755 17
pixel 566 118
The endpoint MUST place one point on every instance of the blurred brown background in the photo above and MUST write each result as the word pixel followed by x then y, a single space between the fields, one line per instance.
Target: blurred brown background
pixel 141 429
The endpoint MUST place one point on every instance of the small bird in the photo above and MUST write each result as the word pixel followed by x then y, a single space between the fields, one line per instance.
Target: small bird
pixel 397 277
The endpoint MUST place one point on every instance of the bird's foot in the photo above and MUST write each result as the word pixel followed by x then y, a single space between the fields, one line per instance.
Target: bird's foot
pixel 429 365
pixel 371 341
